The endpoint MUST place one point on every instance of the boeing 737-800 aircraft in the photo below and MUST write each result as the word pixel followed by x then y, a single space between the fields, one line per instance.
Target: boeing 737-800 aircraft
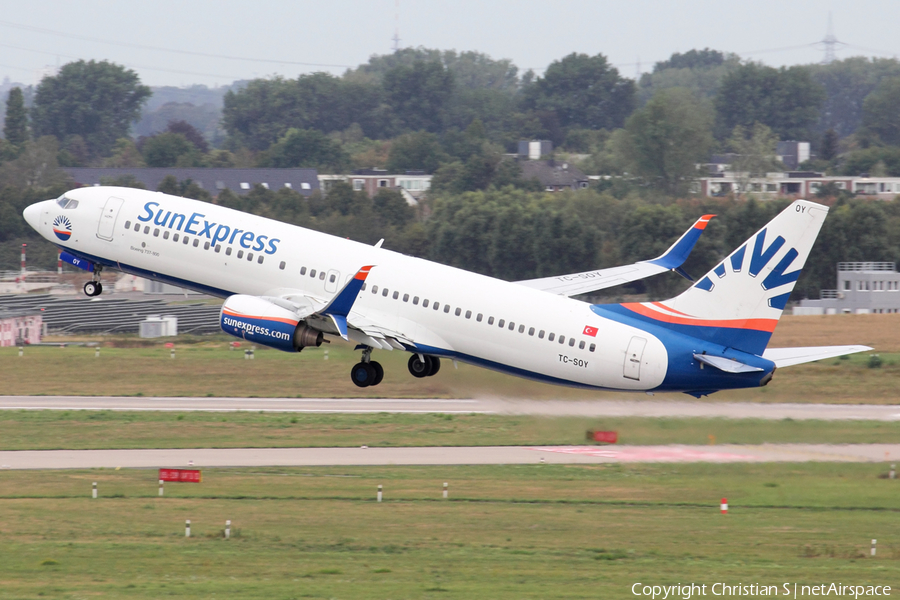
pixel 287 287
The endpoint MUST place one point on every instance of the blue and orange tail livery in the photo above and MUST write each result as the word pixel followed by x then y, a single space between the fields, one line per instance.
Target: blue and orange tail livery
pixel 679 251
pixel 738 303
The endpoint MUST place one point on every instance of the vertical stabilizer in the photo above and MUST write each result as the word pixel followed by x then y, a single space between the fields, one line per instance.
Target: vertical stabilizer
pixel 738 303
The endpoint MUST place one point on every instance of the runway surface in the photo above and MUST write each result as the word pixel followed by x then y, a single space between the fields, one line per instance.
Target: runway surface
pixel 491 455
pixel 555 408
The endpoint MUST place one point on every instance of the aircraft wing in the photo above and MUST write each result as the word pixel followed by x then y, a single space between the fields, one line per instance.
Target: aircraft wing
pixel 591 281
pixel 786 357
pixel 337 316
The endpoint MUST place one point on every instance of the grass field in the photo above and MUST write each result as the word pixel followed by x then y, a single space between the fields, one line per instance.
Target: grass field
pixel 206 367
pixel 541 531
pixel 77 430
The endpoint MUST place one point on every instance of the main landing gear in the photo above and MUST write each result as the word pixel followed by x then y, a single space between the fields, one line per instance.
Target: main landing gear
pixel 367 372
pixel 94 287
pixel 426 366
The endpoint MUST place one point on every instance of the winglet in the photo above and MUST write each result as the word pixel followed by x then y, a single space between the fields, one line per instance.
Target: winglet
pixel 678 252
pixel 341 304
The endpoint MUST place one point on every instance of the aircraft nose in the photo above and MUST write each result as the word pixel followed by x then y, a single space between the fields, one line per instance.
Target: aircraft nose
pixel 32 216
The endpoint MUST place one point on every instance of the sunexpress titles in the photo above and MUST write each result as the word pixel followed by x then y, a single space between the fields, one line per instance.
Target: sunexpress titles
pixel 196 224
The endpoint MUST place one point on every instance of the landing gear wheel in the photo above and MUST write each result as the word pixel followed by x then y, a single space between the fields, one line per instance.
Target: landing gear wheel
pixel 379 372
pixel 435 365
pixel 363 374
pixel 419 368
pixel 93 288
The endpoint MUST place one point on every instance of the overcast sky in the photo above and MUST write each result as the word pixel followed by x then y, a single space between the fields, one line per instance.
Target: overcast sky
pixel 210 41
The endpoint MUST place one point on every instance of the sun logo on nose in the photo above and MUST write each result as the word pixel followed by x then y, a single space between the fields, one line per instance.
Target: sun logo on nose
pixel 62 227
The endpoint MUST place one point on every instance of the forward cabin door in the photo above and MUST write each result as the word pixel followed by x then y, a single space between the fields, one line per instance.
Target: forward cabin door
pixel 108 218
pixel 633 357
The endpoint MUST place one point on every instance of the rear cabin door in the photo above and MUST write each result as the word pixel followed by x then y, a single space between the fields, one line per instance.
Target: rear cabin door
pixel 633 357
pixel 108 218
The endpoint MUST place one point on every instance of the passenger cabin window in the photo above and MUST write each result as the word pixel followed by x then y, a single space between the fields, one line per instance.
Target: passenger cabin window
pixel 137 226
pixel 165 235
pixel 312 273
pixel 406 297
pixel 468 314
pixel 261 258
pixel 384 292
pixel 196 242
pixel 592 347
pixel 425 303
pixel 512 325
pixel 185 240
pixel 490 320
pixel 249 256
pixel 322 275
pixel 127 224
pixel 303 272
pixel 501 323
pixel 218 248
pixel 581 345
pixel 531 331
pixel 281 265
pixel 562 339
pixel 175 237
pixel 396 295
pixel 206 245
pixel 479 317
pixel 571 342
pixel 436 305
pixel 228 251
pixel 446 308
pixel 240 254
pixel 551 336
pixel 146 229
pixel 541 334
pixel 458 312
pixel 415 299
pixel 521 329
pixel 374 289
pixel 332 278
pixel 156 232
pixel 363 288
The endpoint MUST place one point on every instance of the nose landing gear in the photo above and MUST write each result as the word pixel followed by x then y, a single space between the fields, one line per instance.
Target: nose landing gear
pixel 94 287
pixel 367 372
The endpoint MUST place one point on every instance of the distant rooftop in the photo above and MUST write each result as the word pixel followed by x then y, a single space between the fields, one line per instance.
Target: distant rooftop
pixel 213 180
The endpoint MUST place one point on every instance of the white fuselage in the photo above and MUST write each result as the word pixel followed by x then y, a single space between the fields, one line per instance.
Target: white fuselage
pixel 466 325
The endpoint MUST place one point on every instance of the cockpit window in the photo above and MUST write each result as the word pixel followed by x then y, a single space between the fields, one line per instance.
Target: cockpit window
pixel 66 203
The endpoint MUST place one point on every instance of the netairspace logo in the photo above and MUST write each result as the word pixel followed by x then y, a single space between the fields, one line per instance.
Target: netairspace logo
pixel 792 590
pixel 255 329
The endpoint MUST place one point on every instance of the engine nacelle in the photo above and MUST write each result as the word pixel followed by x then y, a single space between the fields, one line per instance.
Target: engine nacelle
pixel 259 321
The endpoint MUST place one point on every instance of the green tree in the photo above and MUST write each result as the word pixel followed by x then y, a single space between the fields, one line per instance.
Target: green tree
pixel 787 100
pixel 700 71
pixel 96 100
pixel 847 83
pixel 881 111
pixel 307 148
pixel 169 150
pixel 36 166
pixel 829 149
pixel 755 148
pixel 15 128
pixel 416 151
pixel 668 137
pixel 125 154
pixel 391 208
pixel 419 94
pixel 583 91
pixel 191 134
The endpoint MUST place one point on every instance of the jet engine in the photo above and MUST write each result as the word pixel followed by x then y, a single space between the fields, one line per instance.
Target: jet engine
pixel 257 320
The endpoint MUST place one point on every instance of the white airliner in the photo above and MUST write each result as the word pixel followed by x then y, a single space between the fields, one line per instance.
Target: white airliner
pixel 287 287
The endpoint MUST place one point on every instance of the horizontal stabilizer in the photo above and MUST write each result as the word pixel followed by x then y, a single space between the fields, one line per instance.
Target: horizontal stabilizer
pixel 785 357
pixel 726 364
